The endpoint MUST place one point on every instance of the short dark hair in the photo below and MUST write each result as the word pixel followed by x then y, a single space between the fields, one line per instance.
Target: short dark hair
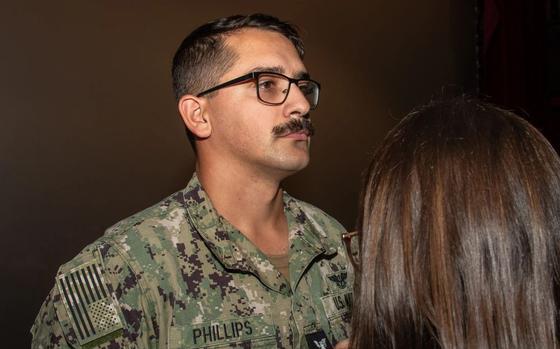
pixel 460 233
pixel 203 57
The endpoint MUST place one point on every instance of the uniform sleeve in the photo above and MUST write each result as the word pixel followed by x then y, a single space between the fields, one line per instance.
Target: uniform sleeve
pixel 47 332
pixel 97 302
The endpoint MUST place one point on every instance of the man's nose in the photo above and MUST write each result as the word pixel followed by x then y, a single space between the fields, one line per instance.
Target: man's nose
pixel 297 103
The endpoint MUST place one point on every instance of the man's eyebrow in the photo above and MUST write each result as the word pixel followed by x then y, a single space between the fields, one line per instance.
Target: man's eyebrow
pixel 303 75
pixel 280 70
pixel 274 69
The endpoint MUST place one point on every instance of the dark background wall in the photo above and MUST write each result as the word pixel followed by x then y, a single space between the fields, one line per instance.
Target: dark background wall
pixel 89 133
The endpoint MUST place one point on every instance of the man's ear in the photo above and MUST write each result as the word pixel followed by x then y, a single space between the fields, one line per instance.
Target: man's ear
pixel 193 113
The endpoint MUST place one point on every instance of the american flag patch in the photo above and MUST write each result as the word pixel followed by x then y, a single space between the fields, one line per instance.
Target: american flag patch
pixel 88 302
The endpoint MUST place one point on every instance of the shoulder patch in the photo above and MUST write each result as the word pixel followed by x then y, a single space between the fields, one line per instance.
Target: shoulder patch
pixel 89 304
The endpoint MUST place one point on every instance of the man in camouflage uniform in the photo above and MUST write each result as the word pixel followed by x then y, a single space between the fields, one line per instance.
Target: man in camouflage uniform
pixel 232 260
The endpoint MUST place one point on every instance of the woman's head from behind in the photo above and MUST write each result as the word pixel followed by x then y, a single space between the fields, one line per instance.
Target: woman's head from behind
pixel 459 233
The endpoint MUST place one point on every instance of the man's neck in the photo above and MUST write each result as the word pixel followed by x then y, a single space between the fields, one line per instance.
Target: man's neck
pixel 252 203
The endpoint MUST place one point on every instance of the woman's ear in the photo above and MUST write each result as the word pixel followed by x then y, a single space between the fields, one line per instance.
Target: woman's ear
pixel 193 113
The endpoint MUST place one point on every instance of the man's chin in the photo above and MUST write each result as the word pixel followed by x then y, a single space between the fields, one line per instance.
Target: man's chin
pixel 295 167
pixel 287 169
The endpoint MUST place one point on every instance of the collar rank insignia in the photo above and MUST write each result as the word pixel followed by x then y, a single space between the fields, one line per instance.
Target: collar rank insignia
pixel 89 304
pixel 339 279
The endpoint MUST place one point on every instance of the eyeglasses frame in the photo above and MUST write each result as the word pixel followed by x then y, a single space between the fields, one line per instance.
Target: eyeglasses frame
pixel 255 76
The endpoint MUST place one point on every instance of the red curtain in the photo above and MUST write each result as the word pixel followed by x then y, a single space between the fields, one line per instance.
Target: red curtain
pixel 512 55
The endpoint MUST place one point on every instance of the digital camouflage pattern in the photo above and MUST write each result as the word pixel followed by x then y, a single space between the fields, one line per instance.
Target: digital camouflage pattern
pixel 181 276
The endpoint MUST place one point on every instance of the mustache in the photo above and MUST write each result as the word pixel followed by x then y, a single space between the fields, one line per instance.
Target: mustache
pixel 293 126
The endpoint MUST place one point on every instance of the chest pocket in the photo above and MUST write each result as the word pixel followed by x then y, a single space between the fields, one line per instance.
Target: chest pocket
pixel 338 308
pixel 253 332
pixel 338 303
pixel 337 300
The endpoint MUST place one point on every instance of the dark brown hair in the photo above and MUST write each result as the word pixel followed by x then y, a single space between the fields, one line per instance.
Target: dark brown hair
pixel 459 233
pixel 203 57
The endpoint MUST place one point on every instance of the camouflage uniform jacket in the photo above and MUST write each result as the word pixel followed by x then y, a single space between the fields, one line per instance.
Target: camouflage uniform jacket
pixel 178 275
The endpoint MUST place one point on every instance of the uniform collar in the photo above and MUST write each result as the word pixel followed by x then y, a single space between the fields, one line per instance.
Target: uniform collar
pixel 308 239
pixel 306 227
pixel 235 251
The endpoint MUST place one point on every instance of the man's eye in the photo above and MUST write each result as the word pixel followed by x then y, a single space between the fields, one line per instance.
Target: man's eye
pixel 306 89
pixel 266 84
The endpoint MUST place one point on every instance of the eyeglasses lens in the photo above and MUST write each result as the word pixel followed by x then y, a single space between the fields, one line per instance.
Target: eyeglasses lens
pixel 273 89
pixel 311 92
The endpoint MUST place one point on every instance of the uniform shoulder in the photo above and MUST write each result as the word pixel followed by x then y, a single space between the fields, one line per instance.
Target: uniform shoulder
pixel 112 274
pixel 126 240
pixel 167 212
pixel 87 255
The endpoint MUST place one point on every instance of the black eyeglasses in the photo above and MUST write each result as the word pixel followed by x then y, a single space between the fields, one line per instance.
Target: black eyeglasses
pixel 273 88
pixel 352 248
